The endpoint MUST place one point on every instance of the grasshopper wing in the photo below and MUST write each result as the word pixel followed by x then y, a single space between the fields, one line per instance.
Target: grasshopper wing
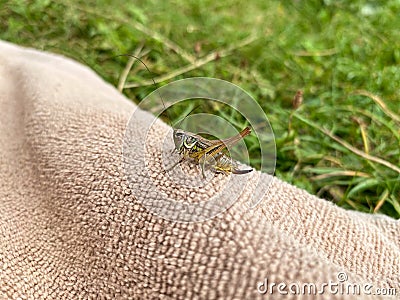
pixel 216 146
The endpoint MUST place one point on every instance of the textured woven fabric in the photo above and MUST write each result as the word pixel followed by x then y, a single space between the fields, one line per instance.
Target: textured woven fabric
pixel 71 227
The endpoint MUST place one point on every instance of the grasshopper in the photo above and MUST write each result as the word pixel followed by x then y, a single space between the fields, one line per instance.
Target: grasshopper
pixel 209 154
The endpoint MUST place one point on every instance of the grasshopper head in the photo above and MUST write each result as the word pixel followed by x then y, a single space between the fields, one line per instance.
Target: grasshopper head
pixel 178 136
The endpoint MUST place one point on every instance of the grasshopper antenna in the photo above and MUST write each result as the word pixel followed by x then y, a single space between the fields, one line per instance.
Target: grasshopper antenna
pixel 154 83
pixel 192 110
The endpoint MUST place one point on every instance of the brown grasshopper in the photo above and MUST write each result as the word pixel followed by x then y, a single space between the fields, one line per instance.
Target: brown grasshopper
pixel 209 154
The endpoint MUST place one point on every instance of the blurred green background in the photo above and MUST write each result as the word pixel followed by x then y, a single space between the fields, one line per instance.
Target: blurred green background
pixel 342 143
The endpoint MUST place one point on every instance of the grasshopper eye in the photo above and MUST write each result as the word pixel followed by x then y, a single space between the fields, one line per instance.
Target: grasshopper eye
pixel 178 135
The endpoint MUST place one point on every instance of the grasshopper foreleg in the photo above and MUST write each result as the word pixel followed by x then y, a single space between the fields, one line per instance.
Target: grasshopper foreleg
pixel 175 164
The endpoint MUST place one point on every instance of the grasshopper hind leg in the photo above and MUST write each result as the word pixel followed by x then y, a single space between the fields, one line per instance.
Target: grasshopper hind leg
pixel 206 163
pixel 203 166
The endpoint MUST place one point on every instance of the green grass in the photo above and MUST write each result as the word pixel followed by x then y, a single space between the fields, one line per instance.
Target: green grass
pixel 344 140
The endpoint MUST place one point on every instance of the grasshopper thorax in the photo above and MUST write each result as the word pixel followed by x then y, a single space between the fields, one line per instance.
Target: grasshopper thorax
pixel 183 139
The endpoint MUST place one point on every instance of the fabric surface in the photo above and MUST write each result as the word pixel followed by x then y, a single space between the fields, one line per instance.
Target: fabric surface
pixel 72 227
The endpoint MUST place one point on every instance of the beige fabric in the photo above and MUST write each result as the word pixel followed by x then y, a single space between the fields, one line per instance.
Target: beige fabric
pixel 70 227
